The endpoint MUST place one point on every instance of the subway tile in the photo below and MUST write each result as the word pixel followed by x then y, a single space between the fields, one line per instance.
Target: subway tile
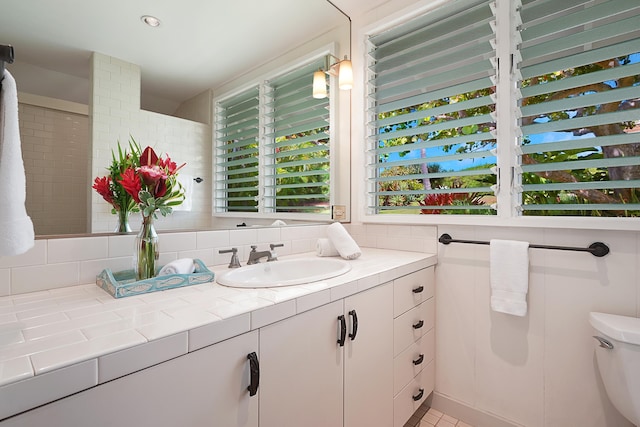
pixel 121 246
pixel 41 277
pixel 77 249
pixel 243 237
pixel 175 242
pixel 60 357
pixel 90 269
pixel 33 257
pixel 5 282
pixel 272 314
pixel 218 331
pixel 115 365
pixel 41 389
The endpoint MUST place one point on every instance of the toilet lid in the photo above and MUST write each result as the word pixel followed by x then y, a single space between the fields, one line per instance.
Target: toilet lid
pixel 620 328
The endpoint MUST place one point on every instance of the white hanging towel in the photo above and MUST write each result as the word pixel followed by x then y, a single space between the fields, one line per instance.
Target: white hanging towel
pixel 16 228
pixel 509 270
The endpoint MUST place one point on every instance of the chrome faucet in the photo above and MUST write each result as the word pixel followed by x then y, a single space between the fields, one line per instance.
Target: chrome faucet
pixel 255 255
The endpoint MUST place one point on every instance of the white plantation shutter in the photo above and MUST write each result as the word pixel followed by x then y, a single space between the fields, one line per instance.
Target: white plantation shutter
pixel 299 144
pixel 432 108
pixel 237 159
pixel 580 84
pixel 273 147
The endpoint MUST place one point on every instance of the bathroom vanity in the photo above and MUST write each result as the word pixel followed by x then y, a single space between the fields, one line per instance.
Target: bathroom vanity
pixel 353 350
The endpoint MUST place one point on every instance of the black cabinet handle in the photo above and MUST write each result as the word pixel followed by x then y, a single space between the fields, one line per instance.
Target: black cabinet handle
pixel 343 330
pixel 418 290
pixel 419 395
pixel 418 325
pixel 354 323
pixel 419 360
pixel 254 368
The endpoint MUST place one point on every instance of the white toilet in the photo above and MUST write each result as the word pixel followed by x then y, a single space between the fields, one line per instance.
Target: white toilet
pixel 618 355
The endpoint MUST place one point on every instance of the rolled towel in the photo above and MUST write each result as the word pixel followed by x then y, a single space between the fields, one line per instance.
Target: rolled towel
pixel 324 247
pixel 278 223
pixel 343 242
pixel 179 266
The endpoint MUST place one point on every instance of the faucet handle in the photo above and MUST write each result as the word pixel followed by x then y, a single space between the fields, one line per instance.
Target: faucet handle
pixel 235 262
pixel 253 248
pixel 273 256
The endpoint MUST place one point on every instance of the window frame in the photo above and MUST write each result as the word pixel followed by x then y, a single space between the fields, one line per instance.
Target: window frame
pixel 507 161
pixel 263 142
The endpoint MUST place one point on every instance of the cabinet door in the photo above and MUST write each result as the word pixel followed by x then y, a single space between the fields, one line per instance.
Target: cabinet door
pixel 204 388
pixel 301 370
pixel 368 383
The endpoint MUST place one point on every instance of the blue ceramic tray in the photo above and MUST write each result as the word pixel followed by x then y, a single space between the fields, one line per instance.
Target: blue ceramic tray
pixel 123 284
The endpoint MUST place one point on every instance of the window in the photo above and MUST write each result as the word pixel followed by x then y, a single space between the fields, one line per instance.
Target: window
pixel 468 119
pixel 273 147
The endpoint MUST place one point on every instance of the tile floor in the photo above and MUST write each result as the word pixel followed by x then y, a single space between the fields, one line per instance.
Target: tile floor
pixel 429 417
pixel 436 418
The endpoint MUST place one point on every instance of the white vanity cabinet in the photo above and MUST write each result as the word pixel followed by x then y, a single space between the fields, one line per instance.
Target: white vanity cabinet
pixel 309 379
pixel 413 342
pixel 207 387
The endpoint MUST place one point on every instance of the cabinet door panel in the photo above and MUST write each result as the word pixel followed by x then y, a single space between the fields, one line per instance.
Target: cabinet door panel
pixel 204 388
pixel 302 370
pixel 368 384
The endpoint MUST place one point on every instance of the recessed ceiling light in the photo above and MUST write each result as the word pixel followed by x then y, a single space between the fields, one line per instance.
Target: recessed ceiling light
pixel 151 21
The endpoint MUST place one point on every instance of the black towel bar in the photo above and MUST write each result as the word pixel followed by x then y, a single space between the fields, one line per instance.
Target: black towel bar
pixel 598 249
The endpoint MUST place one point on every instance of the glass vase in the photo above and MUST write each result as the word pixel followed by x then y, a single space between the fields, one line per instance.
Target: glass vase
pixel 146 248
pixel 123 222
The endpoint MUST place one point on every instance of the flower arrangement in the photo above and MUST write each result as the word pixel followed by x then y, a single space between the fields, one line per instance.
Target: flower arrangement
pixel 109 187
pixel 147 183
pixel 153 183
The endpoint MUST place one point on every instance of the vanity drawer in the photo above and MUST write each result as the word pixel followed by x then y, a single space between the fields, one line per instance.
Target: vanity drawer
pixel 411 397
pixel 413 360
pixel 412 325
pixel 412 289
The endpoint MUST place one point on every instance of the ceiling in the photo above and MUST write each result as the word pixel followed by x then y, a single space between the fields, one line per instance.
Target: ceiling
pixel 200 44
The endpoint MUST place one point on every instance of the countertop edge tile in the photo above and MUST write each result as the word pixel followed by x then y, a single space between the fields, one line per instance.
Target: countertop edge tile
pixel 129 360
pixel 15 370
pixel 45 388
pixel 213 333
pixel 312 300
pixel 273 313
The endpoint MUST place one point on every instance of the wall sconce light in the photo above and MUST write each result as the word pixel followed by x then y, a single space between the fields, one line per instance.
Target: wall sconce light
pixel 341 69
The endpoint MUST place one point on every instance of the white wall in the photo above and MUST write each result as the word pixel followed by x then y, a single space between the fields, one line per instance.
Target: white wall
pixel 533 371
pixel 115 114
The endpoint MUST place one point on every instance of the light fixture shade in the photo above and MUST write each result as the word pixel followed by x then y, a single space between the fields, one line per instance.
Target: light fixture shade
pixel 319 85
pixel 345 75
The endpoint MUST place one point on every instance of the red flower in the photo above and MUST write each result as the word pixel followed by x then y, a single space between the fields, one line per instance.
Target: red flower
pixel 148 157
pixel 131 183
pixel 103 187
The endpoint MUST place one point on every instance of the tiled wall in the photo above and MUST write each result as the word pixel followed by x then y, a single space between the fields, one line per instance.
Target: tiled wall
pixel 537 370
pixel 116 114
pixel 55 263
pixel 54 150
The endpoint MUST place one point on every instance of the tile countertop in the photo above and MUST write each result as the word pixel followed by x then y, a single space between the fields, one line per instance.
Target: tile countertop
pixel 58 342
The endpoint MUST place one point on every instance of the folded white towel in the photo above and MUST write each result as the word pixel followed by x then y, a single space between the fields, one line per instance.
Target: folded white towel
pixel 343 242
pixel 16 228
pixel 179 266
pixel 509 263
pixel 278 223
pixel 324 247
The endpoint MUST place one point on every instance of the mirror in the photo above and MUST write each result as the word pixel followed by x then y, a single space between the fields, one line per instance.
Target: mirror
pixel 198 48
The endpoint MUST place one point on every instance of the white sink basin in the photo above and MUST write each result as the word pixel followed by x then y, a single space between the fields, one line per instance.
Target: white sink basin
pixel 283 273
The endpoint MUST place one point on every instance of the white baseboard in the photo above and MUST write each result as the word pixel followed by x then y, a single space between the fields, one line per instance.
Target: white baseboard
pixel 468 414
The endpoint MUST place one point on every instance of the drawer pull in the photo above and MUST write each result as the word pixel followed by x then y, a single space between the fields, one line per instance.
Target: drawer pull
pixel 354 324
pixel 254 368
pixel 418 325
pixel 343 330
pixel 418 290
pixel 419 395
pixel 419 360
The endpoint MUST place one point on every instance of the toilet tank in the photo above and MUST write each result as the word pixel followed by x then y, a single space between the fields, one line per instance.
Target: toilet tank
pixel 620 366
